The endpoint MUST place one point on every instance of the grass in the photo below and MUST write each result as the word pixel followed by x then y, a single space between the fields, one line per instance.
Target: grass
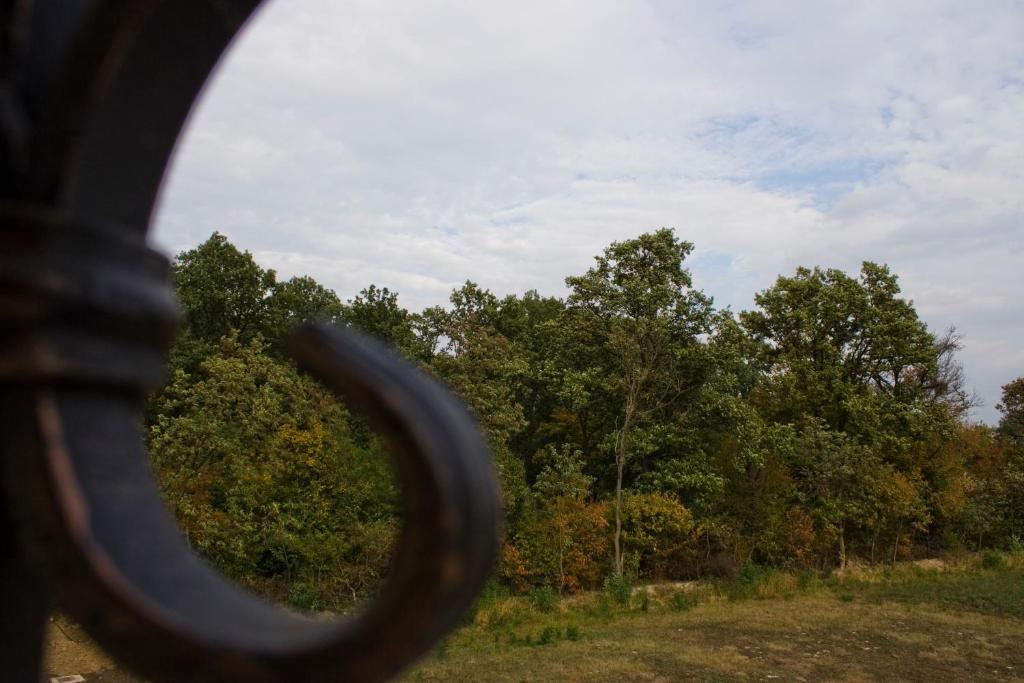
pixel 951 621
pixel 963 622
pixel 998 592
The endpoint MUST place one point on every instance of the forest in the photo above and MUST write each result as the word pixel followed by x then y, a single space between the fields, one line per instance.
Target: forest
pixel 639 432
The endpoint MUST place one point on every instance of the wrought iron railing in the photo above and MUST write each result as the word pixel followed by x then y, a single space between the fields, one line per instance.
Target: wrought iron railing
pixel 93 95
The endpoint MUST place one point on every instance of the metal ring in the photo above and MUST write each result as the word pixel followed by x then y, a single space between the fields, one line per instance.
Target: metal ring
pixel 106 86
pixel 129 577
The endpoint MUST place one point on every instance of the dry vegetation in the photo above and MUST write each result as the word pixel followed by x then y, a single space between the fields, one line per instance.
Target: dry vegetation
pixel 806 638
pixel 941 621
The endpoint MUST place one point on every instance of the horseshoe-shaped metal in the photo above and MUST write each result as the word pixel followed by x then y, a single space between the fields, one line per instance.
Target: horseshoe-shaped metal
pixel 93 95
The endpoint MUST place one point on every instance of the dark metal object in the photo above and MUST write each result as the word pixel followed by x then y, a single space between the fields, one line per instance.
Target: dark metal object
pixel 93 94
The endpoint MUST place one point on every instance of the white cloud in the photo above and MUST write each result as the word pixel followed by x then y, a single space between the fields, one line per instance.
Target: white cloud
pixel 416 145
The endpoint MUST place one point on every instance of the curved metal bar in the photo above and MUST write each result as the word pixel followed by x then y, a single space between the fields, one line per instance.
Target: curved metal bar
pixel 100 91
pixel 148 599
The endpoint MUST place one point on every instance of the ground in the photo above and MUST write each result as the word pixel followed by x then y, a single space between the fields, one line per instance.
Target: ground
pixel 808 638
pixel 913 625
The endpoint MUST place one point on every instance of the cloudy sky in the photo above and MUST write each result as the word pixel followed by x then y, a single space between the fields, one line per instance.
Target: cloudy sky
pixel 419 144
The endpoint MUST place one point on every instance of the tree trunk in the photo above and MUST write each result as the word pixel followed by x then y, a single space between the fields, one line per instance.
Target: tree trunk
pixel 561 570
pixel 896 544
pixel 618 516
pixel 620 466
pixel 842 546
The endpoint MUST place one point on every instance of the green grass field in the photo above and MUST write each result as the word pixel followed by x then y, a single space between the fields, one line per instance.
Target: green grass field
pixel 962 623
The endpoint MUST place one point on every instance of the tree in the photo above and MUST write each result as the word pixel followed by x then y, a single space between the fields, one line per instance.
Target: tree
pixel 562 536
pixel 638 312
pixel 1011 407
pixel 376 312
pixel 1011 427
pixel 840 479
pixel 530 323
pixel 852 355
pixel 831 340
pixel 299 300
pixel 656 528
pixel 223 290
pixel 629 421
pixel 484 368
pixel 258 465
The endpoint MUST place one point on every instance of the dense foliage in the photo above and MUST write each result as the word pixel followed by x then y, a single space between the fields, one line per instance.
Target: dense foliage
pixel 637 430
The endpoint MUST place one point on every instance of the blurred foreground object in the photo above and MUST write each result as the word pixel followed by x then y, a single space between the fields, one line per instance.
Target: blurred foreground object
pixel 93 95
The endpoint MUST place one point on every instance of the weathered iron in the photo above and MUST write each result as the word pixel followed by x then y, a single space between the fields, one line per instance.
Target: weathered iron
pixel 93 95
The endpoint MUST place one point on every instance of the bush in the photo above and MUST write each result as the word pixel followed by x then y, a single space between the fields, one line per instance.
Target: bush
pixel 993 559
pixel 303 596
pixel 756 581
pixel 681 601
pixel 656 529
pixel 746 583
pixel 548 636
pixel 503 614
pixel 599 607
pixel 561 542
pixel 494 590
pixel 807 580
pixel 619 589
pixel 543 599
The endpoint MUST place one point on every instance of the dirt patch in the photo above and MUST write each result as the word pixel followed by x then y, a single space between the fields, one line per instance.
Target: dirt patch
pixel 667 588
pixel 933 564
pixel 67 644
pixel 69 651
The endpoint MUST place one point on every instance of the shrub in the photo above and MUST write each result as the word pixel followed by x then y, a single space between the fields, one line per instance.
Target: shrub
pixel 656 529
pixel 512 568
pixel 599 607
pixel 799 537
pixel 807 580
pixel 504 613
pixel 303 596
pixel 993 559
pixel 547 636
pixel 562 543
pixel 682 601
pixel 756 581
pixel 572 633
pixel 543 599
pixel 746 583
pixel 618 588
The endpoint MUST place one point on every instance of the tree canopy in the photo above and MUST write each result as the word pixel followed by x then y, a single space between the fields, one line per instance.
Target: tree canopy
pixel 638 431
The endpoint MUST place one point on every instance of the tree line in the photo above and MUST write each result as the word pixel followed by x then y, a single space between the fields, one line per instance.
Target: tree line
pixel 638 431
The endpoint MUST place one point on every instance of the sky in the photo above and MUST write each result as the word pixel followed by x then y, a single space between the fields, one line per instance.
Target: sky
pixel 416 145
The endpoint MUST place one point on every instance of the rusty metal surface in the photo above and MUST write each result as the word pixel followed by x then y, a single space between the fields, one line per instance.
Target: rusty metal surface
pixel 93 95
